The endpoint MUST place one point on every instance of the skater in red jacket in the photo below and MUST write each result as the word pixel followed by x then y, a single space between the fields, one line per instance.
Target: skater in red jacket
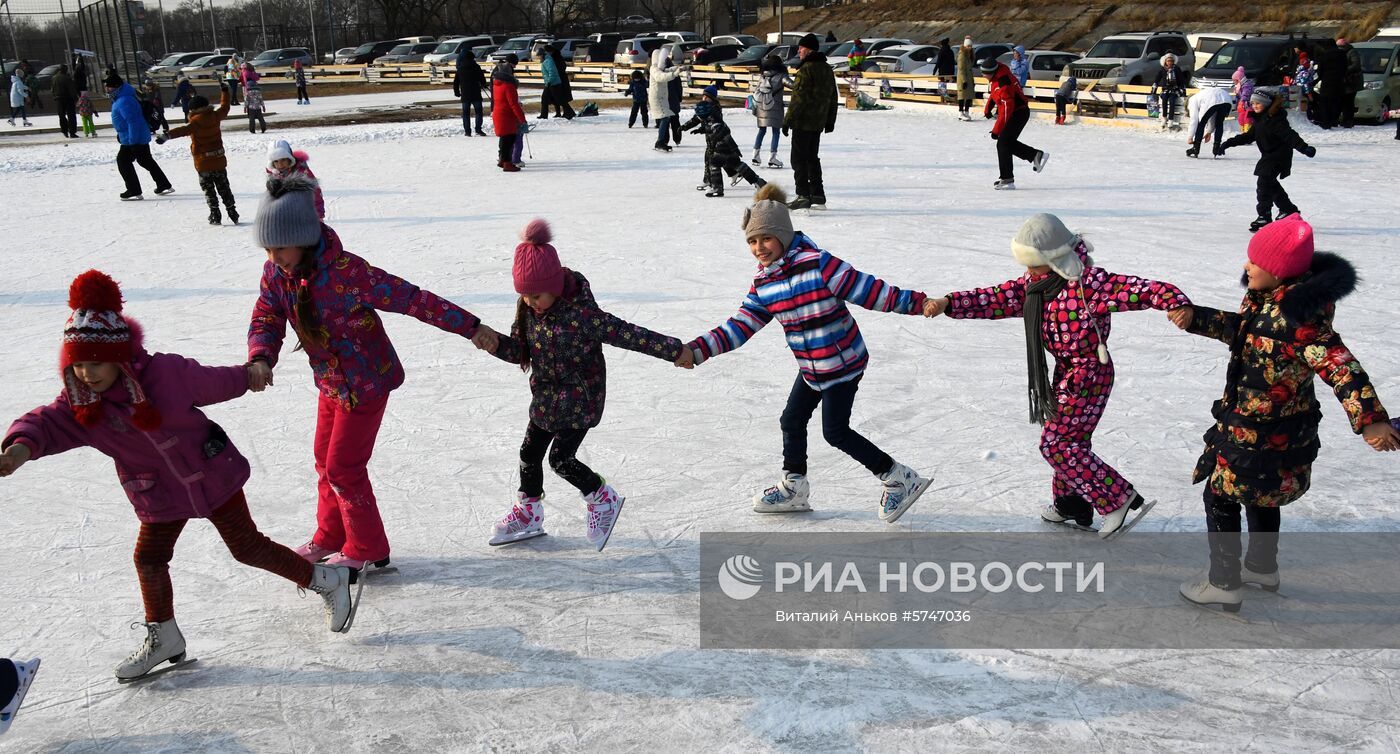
pixel 1008 104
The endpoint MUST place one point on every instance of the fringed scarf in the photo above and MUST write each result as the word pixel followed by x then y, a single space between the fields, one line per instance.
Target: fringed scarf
pixel 1042 398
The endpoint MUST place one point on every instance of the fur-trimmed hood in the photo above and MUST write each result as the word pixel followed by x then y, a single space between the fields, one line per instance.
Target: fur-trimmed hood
pixel 1329 280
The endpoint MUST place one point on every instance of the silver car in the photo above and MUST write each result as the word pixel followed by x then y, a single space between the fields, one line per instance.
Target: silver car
pixel 412 52
pixel 1131 58
pixel 902 58
pixel 1046 65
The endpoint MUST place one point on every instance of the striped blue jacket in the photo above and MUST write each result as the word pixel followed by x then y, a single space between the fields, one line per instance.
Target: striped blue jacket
pixel 807 291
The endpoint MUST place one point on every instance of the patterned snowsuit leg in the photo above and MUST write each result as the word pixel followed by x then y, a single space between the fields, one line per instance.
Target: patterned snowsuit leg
pixel 214 184
pixel 1082 388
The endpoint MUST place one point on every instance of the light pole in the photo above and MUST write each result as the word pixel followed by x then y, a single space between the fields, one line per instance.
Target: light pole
pixel 263 20
pixel 160 4
pixel 311 14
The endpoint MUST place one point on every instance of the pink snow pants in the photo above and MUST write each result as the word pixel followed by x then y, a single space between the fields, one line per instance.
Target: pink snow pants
pixel 347 516
pixel 1082 387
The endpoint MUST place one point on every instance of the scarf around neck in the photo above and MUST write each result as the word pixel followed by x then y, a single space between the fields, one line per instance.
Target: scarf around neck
pixel 1042 400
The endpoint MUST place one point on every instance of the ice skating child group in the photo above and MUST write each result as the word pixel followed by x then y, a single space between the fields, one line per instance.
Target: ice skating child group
pixel 143 409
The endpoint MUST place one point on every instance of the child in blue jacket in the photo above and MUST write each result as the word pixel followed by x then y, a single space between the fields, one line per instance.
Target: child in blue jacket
pixel 637 90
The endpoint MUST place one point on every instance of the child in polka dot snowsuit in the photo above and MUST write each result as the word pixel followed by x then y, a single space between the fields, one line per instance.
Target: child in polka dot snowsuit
pixel 1059 287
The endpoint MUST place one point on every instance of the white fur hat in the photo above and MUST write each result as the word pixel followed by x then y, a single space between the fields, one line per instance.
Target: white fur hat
pixel 1044 240
pixel 279 150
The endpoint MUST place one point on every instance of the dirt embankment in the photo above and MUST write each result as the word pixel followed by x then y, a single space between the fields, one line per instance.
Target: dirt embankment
pixel 1046 24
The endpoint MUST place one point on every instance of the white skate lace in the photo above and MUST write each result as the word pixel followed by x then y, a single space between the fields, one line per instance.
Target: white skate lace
pixel 600 512
pixel 149 646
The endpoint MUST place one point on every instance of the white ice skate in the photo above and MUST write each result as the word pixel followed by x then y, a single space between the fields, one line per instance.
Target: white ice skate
pixel 164 643
pixel 1042 158
pixel 524 521
pixel 1053 515
pixel 1120 521
pixel 788 496
pixel 604 506
pixel 1202 592
pixel 26 672
pixel 773 161
pixel 1267 581
pixel 903 486
pixel 755 161
pixel 333 584
pixel 1004 185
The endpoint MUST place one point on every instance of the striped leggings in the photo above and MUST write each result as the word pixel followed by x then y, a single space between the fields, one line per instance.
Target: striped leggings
pixel 155 545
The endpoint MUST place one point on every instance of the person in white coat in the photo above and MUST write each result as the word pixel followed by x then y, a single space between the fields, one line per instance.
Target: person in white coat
pixel 19 96
pixel 1210 104
pixel 658 99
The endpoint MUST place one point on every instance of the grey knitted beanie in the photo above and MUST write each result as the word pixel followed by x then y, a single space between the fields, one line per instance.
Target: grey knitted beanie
pixel 287 214
pixel 769 215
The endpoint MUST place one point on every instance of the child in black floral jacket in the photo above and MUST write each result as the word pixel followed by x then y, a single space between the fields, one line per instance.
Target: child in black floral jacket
pixel 1260 451
pixel 558 334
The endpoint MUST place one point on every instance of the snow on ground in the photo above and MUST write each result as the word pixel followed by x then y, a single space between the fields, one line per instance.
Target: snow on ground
pixel 550 646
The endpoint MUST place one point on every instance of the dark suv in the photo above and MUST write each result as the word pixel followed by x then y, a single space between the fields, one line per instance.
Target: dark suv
pixel 1266 60
pixel 367 52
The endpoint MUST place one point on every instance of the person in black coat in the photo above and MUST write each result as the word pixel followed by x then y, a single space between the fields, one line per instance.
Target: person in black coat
pixel 945 65
pixel 721 151
pixel 674 89
pixel 1353 79
pixel 1171 83
pixel 1331 77
pixel 467 84
pixel 1276 140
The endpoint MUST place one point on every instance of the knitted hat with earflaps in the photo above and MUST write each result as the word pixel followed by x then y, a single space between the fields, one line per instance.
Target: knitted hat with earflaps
pixel 97 331
pixel 1044 240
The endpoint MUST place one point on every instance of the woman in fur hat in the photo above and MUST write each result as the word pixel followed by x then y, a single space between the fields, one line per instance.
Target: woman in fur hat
pixel 143 411
pixel 1067 303
pixel 1259 453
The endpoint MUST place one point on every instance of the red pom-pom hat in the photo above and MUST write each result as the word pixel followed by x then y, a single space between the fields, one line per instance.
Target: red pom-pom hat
pixel 97 331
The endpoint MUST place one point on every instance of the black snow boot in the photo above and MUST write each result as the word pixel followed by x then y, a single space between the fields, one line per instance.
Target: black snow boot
pixel 1258 223
pixel 232 215
pixel 215 218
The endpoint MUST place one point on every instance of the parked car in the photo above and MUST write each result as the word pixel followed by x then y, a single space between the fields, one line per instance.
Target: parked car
pixel 838 56
pixel 1046 65
pixel 635 21
pixel 208 67
pixel 750 57
pixel 793 60
pixel 1380 65
pixel 679 51
pixel 367 52
pixel 1266 59
pixel 517 46
pixel 1131 58
pixel 566 47
pixel 45 76
pixel 170 65
pixel 1387 34
pixel 406 53
pixel 282 57
pixel 711 54
pixel 743 40
pixel 417 40
pixel 785 37
pixel 637 51
pixel 483 53
pixel 1208 43
pixel 901 58
pixel 680 36
pixel 447 52
pixel 342 55
pixel 597 48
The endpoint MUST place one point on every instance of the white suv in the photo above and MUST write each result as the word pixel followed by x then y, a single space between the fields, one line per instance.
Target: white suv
pixel 1131 58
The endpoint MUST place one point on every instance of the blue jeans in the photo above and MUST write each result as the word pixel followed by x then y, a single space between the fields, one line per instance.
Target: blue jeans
pixel 758 141
pixel 21 112
pixel 467 104
pixel 663 130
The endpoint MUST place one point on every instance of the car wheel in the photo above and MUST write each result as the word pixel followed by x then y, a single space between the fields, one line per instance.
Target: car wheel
pixel 1384 114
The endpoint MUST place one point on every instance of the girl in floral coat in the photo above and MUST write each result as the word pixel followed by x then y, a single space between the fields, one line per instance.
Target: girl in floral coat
pixel 1067 303
pixel 331 298
pixel 558 336
pixel 1259 454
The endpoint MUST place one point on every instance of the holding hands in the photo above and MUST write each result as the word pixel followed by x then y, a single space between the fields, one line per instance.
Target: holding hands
pixel 486 339
pixel 15 456
pixel 259 375
pixel 687 358
pixel 1182 316
pixel 935 306
pixel 1380 436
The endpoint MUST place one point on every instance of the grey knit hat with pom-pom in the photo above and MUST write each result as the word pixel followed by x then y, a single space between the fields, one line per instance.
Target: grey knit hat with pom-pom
pixel 287 214
pixel 769 215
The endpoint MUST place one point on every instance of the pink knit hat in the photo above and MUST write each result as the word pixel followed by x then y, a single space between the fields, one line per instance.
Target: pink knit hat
pixel 537 268
pixel 1283 248
pixel 1238 75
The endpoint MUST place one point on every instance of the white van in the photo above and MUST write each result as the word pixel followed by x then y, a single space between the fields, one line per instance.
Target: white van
pixel 785 38
pixel 417 40
pixel 1206 43
pixel 1387 34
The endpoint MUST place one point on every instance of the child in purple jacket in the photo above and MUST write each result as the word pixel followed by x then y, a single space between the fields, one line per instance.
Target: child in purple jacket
pixel 558 336
pixel 142 411
pixel 331 298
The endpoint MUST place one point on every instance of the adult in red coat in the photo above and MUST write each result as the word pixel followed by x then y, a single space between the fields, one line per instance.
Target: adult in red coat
pixel 1012 113
pixel 506 114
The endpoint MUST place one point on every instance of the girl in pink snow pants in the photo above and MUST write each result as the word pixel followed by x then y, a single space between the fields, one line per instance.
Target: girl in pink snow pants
pixel 1066 303
pixel 331 298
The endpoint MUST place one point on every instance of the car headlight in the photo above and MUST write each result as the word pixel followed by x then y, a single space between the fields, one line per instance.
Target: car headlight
pixel 1114 72
pixel 1372 85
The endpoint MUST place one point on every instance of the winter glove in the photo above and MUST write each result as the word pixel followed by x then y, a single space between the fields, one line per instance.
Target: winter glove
pixel 987 115
pixel 993 135
pixel 829 128
pixel 1310 151
pixel 786 130
pixel 160 138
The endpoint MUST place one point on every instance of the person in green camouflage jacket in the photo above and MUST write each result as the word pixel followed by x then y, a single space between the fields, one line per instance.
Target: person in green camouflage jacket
pixel 1260 451
pixel 811 112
